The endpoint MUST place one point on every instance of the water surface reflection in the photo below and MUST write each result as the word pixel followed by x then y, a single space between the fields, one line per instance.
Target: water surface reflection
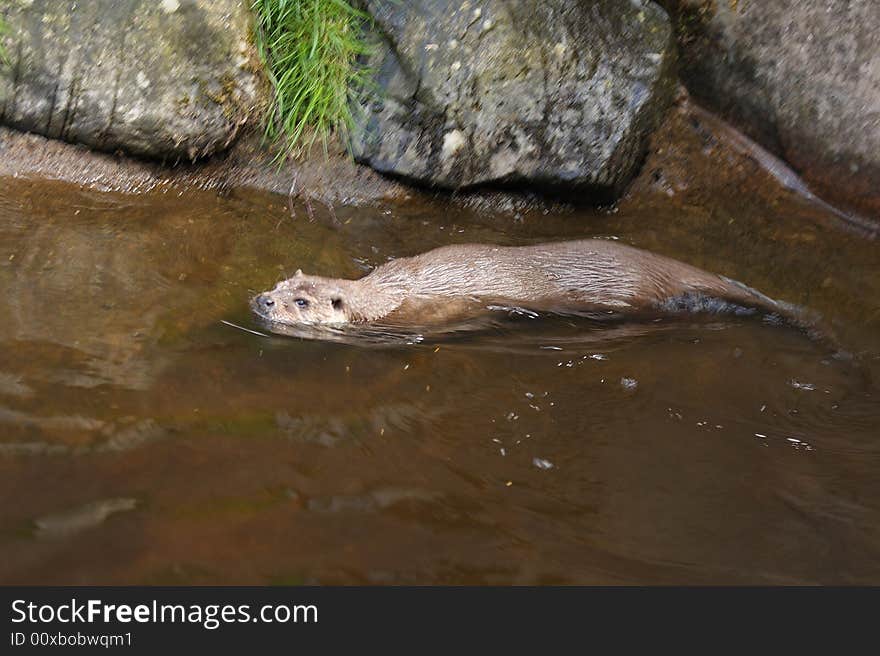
pixel 143 440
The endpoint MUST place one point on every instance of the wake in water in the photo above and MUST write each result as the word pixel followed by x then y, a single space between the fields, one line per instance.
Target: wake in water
pixel 515 329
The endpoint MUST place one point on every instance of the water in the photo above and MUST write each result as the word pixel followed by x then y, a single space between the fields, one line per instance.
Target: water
pixel 144 440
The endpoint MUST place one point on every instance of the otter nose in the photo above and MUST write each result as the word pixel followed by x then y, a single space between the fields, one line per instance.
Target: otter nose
pixel 265 302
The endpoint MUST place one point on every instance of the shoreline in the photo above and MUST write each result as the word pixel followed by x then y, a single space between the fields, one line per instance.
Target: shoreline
pixel 330 179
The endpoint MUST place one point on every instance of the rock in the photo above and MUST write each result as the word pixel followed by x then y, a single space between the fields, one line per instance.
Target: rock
pixel 168 79
pixel 802 77
pixel 330 179
pixel 556 93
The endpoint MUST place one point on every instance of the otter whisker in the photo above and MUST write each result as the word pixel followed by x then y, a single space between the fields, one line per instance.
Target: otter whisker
pixel 247 330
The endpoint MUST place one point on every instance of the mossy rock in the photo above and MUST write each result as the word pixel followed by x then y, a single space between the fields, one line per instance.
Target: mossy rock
pixel 549 93
pixel 168 79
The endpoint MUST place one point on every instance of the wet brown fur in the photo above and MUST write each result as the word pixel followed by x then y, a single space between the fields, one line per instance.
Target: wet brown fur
pixel 452 282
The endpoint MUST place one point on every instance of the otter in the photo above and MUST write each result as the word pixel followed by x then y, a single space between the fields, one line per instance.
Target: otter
pixel 595 277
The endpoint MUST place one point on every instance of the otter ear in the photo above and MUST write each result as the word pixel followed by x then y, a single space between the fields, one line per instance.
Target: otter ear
pixel 337 302
pixel 298 273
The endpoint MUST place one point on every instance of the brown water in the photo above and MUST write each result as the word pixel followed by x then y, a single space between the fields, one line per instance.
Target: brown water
pixel 144 441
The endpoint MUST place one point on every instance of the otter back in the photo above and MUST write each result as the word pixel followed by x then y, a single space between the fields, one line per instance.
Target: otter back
pixel 595 276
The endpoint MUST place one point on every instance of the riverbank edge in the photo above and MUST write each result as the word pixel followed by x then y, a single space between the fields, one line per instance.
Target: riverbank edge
pixel 330 178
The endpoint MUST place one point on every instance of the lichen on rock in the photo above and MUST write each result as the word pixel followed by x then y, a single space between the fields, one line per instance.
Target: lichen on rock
pixel 556 93
pixel 168 79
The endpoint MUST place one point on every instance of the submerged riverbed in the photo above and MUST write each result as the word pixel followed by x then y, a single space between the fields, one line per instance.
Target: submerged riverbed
pixel 143 440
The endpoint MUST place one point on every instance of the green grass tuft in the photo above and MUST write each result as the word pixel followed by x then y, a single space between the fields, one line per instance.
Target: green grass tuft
pixel 310 50
pixel 4 30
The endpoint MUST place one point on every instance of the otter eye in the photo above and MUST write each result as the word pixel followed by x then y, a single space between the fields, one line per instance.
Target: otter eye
pixel 301 302
pixel 337 303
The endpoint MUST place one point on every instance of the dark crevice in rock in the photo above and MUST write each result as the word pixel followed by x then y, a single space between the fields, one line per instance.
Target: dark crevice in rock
pixel 54 98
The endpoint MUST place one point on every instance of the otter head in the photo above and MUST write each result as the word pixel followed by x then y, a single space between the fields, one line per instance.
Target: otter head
pixel 303 300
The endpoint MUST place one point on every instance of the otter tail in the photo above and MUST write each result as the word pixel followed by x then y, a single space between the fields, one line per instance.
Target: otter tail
pixel 720 295
pixel 714 294
pixel 808 321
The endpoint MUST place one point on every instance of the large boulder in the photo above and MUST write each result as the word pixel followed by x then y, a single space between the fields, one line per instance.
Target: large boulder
pixel 800 76
pixel 534 92
pixel 160 78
